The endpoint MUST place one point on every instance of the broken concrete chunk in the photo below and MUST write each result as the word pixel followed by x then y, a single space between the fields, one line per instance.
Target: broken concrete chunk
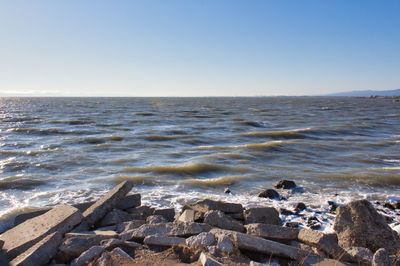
pixel 156 219
pixel 114 217
pixel 168 214
pixel 110 244
pixel 89 255
pixel 273 232
pixel 221 220
pixel 209 205
pixel 265 215
pixel 187 216
pixel 188 229
pixel 205 260
pixel 129 201
pixel 141 212
pixel 129 225
pixel 40 253
pixel 202 240
pixel 61 219
pixel 163 241
pixel 106 203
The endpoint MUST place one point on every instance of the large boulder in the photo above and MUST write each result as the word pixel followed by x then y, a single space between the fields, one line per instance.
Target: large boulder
pixel 206 205
pixel 358 224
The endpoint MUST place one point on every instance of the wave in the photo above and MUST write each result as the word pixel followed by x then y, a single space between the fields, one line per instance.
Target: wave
pixel 379 177
pixel 22 183
pixel 183 169
pixel 273 144
pixel 217 181
pixel 159 138
pixel 291 133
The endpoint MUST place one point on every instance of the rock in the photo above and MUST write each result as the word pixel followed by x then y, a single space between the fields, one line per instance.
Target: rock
pixel 19 219
pixel 141 212
pixel 40 253
pixel 61 219
pixel 236 216
pixel 269 193
pixel 114 217
pixel 227 190
pixel 270 263
pixel 292 224
pixel 329 262
pixel 115 257
pixel 300 207
pixel 225 244
pixel 266 215
pixel 75 244
pixel 210 205
pixel 106 203
pixel 189 229
pixel 129 225
pixel 107 228
pixel 397 229
pixel 187 216
pixel 205 260
pixel 201 241
pixel 284 211
pixel 163 241
pixel 140 233
pixel 359 224
pixel 130 201
pixel 156 219
pixel 272 232
pixel 332 206
pixel 381 258
pixel 286 184
pixel 88 256
pixel 219 219
pixel 325 242
pixel 360 255
pixel 168 214
pixel 110 244
pixel 105 234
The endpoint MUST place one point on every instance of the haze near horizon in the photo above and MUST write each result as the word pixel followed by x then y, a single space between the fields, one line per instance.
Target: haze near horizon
pixel 197 48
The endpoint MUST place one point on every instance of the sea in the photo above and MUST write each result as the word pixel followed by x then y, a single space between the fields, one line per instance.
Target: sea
pixel 178 150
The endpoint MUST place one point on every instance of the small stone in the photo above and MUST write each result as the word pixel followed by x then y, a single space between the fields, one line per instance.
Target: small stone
pixel 168 214
pixel 88 256
pixel 300 207
pixel 202 240
pixel 219 219
pixel 286 184
pixel 381 258
pixel 227 190
pixel 156 219
pixel 266 215
pixel 269 193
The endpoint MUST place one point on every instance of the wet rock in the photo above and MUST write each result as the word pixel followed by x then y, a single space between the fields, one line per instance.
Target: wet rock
pixel 141 212
pixel 381 258
pixel 168 214
pixel 106 203
pixel 284 211
pixel 163 241
pixel 156 219
pixel 266 215
pixel 300 207
pixel 130 201
pixel 272 232
pixel 210 205
pixel 269 193
pixel 292 224
pixel 219 219
pixel 314 225
pixel 75 244
pixel 40 253
pixel 359 224
pixel 205 260
pixel 360 255
pixel 129 225
pixel 227 191
pixel 114 217
pixel 60 219
pixel 187 216
pixel 88 256
pixel 201 241
pixel 332 206
pixel 286 184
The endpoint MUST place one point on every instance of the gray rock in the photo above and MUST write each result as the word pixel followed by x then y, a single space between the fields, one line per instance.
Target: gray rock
pixel 265 215
pixel 141 212
pixel 110 244
pixel 114 217
pixel 225 244
pixel 156 219
pixel 360 255
pixel 106 203
pixel 209 205
pixel 187 216
pixel 163 241
pixel 200 241
pixel 130 201
pixel 381 258
pixel 286 184
pixel 219 219
pixel 129 225
pixel 205 260
pixel 116 257
pixel 40 253
pixel 140 233
pixel 168 214
pixel 359 224
pixel 189 229
pixel 272 232
pixel 61 219
pixel 270 194
pixel 88 256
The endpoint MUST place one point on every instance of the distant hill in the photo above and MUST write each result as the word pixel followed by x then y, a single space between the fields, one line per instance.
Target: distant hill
pixel 367 93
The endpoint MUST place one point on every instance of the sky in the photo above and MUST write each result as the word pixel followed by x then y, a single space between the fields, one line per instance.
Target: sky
pixel 197 47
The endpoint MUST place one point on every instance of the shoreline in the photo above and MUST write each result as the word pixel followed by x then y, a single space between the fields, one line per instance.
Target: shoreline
pixel 165 233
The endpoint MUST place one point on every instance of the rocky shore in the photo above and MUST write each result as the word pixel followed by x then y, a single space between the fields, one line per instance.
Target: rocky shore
pixel 118 230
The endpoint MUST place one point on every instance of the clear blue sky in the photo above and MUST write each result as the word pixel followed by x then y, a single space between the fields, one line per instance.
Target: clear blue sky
pixel 195 48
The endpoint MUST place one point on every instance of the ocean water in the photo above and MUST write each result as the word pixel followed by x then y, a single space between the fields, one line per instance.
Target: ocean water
pixel 55 150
